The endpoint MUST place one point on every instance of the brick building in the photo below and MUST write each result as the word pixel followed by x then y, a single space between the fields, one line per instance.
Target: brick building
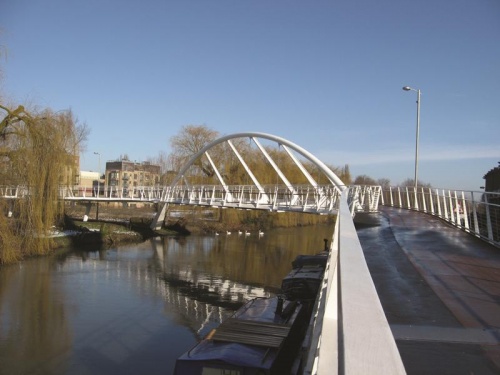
pixel 70 174
pixel 492 180
pixel 127 174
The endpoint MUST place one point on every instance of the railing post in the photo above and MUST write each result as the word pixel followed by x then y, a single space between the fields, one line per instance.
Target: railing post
pixel 465 213
pixel 452 210
pixel 424 205
pixel 306 199
pixel 488 218
pixel 439 203
pixel 454 205
pixel 445 206
pixel 431 201
pixel 474 216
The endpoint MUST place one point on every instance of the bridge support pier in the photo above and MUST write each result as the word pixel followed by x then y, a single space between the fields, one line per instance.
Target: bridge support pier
pixel 160 217
pixel 88 206
pixel 11 208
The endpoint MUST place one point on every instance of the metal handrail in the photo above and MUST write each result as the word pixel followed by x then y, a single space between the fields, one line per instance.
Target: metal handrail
pixel 475 212
pixel 350 333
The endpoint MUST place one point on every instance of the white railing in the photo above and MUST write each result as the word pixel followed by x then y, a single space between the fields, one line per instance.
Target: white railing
pixel 112 193
pixel 350 334
pixel 13 192
pixel 477 213
pixel 278 198
pixel 321 199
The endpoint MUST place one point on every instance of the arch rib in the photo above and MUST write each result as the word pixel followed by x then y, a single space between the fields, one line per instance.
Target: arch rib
pixel 240 158
pixel 217 173
pixel 275 167
pixel 301 167
pixel 332 177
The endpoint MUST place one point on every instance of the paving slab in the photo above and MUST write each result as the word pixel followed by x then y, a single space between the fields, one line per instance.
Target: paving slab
pixel 440 290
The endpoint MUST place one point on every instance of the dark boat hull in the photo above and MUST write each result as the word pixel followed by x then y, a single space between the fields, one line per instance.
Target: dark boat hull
pixel 265 336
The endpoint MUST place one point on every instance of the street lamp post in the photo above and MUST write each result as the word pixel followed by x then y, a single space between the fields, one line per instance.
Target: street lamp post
pixel 98 186
pixel 408 88
pixel 99 171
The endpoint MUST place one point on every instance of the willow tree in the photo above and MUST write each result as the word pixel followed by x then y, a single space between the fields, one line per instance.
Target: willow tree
pixel 37 151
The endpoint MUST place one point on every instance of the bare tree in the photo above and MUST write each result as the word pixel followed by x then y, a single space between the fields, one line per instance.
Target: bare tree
pixel 384 182
pixel 190 140
pixel 409 182
pixel 364 180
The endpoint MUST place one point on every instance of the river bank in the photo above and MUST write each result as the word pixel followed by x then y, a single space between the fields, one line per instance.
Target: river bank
pixel 112 224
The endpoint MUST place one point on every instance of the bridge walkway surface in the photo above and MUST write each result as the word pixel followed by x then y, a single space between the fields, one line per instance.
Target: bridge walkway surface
pixel 440 290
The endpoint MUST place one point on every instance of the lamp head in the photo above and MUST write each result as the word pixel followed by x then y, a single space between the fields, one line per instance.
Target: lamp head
pixel 407 88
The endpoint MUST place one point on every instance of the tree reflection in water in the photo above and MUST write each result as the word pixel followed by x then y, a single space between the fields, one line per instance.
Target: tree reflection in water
pixel 33 318
pixel 136 308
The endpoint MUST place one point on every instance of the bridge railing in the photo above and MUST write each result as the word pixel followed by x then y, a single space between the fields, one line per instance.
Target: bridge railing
pixel 477 213
pixel 350 334
pixel 300 198
pixel 13 192
pixel 140 193
pixel 320 199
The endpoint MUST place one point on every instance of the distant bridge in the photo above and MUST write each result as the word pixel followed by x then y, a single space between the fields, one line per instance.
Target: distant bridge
pixel 308 196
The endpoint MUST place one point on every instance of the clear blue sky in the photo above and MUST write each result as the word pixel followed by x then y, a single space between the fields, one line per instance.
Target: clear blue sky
pixel 326 75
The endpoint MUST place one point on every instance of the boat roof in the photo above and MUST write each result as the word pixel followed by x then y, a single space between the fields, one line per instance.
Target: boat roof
pixel 252 338
pixel 310 260
pixel 209 352
pixel 269 335
pixel 306 272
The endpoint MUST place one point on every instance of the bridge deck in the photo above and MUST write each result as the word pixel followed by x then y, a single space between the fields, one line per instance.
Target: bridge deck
pixel 440 290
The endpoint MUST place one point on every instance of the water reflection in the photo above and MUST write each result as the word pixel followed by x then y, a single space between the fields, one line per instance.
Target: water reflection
pixel 33 317
pixel 136 308
pixel 251 260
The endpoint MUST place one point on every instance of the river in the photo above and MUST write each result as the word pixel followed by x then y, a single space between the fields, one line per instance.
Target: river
pixel 134 309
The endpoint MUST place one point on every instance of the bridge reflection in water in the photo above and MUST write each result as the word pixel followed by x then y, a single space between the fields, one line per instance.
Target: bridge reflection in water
pixel 135 309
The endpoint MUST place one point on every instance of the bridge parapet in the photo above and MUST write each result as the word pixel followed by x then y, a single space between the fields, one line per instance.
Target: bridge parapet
pixel 13 192
pixel 279 198
pixel 350 333
pixel 319 199
pixel 477 213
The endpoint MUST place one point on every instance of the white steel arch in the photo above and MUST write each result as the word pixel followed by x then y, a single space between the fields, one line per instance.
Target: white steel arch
pixel 332 177
pixel 293 196
pixel 308 199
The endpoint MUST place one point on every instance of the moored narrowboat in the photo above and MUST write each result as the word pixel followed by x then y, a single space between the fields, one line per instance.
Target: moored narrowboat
pixel 304 280
pixel 266 335
pixel 257 340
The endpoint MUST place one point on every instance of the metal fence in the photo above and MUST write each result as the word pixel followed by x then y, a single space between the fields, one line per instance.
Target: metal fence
pixel 477 213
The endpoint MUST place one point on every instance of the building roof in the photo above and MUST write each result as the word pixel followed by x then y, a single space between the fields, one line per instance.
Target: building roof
pixel 492 171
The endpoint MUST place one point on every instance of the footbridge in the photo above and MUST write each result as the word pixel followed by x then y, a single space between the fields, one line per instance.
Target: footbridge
pixel 350 332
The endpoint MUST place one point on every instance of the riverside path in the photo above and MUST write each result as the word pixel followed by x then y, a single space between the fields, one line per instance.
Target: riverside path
pixel 440 291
